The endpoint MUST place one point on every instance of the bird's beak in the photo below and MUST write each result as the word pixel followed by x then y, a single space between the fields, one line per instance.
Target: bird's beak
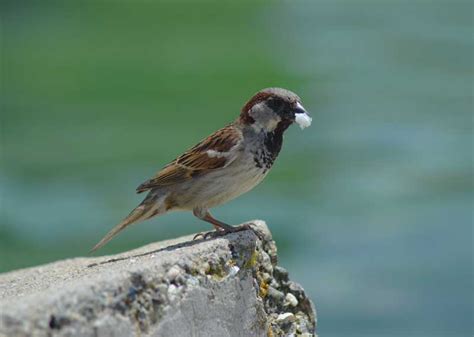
pixel 301 116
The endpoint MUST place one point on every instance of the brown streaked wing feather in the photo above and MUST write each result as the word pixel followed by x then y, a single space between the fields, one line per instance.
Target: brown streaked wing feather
pixel 196 161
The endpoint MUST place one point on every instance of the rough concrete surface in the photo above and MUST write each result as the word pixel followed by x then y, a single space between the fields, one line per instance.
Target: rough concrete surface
pixel 222 286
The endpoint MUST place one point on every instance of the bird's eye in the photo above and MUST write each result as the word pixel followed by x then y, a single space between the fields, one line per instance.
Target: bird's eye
pixel 275 104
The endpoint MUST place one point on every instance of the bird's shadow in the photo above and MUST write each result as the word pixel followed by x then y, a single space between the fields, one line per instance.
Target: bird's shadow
pixel 190 243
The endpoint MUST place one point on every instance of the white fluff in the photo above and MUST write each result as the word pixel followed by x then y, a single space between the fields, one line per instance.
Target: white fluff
pixel 303 120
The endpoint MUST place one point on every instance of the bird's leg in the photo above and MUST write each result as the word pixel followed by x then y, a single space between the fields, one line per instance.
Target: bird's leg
pixel 221 227
pixel 218 225
pixel 202 215
pixel 225 228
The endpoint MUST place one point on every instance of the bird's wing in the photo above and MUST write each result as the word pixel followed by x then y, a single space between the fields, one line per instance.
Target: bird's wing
pixel 215 152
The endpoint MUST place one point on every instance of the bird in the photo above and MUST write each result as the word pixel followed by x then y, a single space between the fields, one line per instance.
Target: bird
pixel 223 166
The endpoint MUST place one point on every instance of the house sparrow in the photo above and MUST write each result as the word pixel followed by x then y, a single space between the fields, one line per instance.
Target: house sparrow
pixel 228 163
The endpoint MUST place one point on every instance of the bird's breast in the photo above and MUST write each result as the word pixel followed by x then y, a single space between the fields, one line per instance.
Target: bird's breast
pixel 222 185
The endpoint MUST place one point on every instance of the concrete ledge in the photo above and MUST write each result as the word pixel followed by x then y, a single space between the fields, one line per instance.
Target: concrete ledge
pixel 226 286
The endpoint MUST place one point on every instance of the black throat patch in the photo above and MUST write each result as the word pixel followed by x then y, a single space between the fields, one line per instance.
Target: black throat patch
pixel 272 142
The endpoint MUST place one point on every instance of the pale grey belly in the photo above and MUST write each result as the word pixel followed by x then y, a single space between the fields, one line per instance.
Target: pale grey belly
pixel 219 186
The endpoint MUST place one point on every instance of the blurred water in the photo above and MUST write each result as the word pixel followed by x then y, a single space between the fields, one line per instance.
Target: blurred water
pixel 391 220
pixel 370 207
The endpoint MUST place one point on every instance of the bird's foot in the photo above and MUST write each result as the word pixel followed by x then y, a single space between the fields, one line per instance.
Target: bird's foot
pixel 227 230
pixel 207 235
pixel 248 226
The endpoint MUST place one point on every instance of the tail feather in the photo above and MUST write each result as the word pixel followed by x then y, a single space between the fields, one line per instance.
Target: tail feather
pixel 147 209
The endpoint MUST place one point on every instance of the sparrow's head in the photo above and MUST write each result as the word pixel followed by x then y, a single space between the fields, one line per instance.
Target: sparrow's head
pixel 271 107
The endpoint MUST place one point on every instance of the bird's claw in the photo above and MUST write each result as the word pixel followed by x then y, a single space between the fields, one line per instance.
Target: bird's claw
pixel 207 235
pixel 247 226
pixel 217 233
pixel 200 236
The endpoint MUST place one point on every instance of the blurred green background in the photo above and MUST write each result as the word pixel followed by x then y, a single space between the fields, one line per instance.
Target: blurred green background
pixel 370 207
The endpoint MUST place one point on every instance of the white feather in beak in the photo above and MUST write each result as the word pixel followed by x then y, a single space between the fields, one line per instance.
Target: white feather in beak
pixel 302 119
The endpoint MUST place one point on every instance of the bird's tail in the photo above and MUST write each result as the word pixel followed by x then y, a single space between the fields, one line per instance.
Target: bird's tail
pixel 151 206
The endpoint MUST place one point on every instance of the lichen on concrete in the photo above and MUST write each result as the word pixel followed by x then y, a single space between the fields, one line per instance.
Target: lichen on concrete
pixel 289 311
pixel 223 286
